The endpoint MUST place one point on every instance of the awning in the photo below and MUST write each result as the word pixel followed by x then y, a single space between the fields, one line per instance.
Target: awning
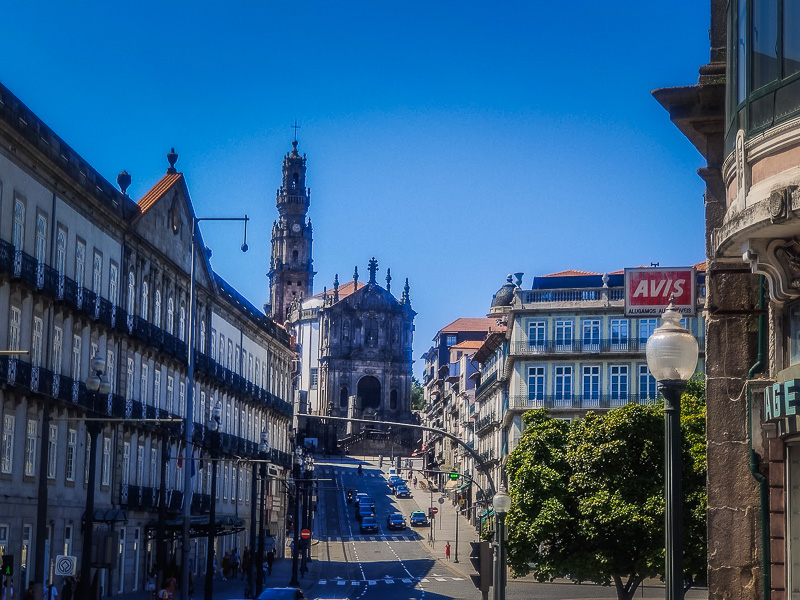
pixel 463 486
pixel 198 526
pixel 487 513
pixel 108 515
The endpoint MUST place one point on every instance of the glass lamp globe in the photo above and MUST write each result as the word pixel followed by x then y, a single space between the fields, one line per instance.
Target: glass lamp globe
pixel 671 350
pixel 105 385
pixel 501 501
pixel 98 364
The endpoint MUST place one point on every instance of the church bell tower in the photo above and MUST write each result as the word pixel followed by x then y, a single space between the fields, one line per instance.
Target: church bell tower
pixel 291 273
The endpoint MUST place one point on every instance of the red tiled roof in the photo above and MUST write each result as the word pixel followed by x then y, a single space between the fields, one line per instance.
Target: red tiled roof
pixel 158 190
pixel 468 345
pixel 469 324
pixel 570 273
pixel 345 290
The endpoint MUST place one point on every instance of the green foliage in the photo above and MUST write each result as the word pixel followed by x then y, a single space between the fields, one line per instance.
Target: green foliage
pixel 588 496
pixel 417 395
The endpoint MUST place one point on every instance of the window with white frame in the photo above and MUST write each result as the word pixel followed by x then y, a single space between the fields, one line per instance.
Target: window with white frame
pixel 231 363
pixel 105 477
pixel 590 384
pixel 113 282
pixel 536 374
pixel 451 340
pixel 58 349
pixel 36 350
pixel 110 366
pixel 145 298
pixel 225 482
pixel 143 383
pixel 153 467
pixel 238 358
pixel 76 358
pixel 170 393
pixel 139 464
pixel 247 483
pixel 182 322
pixel 646 329
pixel 72 453
pixel 258 374
pixel 647 383
pixel 129 380
pixel 618 384
pixel 80 261
pixel 30 448
pixel 14 328
pixel 536 333
pixel 18 232
pixel 97 273
pixel 562 384
pixel 203 337
pixel 563 335
pixel 126 463
pixel 41 239
pixel 590 335
pixel 131 292
pixel 170 316
pixel 221 359
pixel 203 415
pixel 157 387
pixel 61 251
pixel 93 350
pixel 213 343
pixel 219 478
pixel 157 308
pixel 619 334
pixel 182 398
pixel 314 378
pixel 52 452
pixel 7 456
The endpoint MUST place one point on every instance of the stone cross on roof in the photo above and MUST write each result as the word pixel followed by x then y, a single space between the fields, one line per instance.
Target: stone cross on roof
pixel 373 269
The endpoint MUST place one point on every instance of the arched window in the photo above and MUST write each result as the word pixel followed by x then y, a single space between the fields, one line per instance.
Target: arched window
pixel 170 315
pixel 393 400
pixel 157 309
pixel 202 336
pixel 182 322
pixel 294 255
pixel 131 292
pixel 144 299
pixel 343 397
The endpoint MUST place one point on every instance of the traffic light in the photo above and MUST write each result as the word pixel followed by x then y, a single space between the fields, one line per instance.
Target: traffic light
pixel 7 570
pixel 481 558
pixel 454 475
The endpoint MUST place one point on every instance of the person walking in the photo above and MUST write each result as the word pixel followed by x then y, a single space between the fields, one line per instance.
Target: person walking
pixel 270 560
pixel 28 594
pixel 447 551
pixel 150 586
pixel 51 593
pixel 68 588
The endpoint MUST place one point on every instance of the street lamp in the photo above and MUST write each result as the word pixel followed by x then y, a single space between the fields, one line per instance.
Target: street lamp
pixel 213 428
pixel 96 383
pixel 672 357
pixel 263 448
pixel 502 503
pixel 296 543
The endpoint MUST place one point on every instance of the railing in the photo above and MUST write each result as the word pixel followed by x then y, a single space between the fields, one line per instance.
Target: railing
pixel 578 346
pixel 579 402
pixel 484 422
pixel 486 383
pixel 569 295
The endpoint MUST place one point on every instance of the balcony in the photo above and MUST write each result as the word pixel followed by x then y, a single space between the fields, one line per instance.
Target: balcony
pixel 485 422
pixel 576 402
pixel 570 295
pixel 486 383
pixel 576 346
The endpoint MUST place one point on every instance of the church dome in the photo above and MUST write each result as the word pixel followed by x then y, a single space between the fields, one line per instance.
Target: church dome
pixel 505 295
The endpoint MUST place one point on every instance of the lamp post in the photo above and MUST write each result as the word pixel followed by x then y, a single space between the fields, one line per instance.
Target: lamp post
pixel 296 540
pixel 96 383
pixel 263 448
pixel 213 427
pixel 189 417
pixel 501 502
pixel 672 357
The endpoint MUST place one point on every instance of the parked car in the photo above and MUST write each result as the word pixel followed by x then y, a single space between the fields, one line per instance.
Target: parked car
pixel 395 521
pixel 369 524
pixel 418 519
pixel 365 510
pixel 402 491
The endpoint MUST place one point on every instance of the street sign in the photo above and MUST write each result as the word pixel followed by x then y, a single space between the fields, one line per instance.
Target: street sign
pixel 305 534
pixel 648 290
pixel 8 565
pixel 434 510
pixel 65 565
pixel 441 500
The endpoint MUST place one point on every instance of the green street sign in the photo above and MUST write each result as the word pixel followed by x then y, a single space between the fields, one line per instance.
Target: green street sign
pixel 454 475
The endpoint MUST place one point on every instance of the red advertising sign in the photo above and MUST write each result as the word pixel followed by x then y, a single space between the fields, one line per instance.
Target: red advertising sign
pixel 648 290
pixel 305 534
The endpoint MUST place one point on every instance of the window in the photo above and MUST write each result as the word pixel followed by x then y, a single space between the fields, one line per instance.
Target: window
pixel 646 329
pixel 113 283
pixel 536 333
pixel 591 385
pixel 221 359
pixel 105 477
pixel 619 334
pixel 202 337
pixel 314 378
pixel 182 398
pixel 536 383
pixel 58 342
pixel 52 452
pixel 36 354
pixel 231 364
pixel 451 340
pixel 139 464
pixel 157 387
pixel 203 416
pixel 238 360
pixel 13 328
pixel 258 381
pixel 30 448
pixel 647 384
pixel 110 363
pixel 170 392
pixel 76 358
pixel 591 335
pixel 143 383
pixel 18 232
pixel 7 456
pixel 97 273
pixel 131 292
pixel 72 452
pixel 157 309
pixel 80 261
pixel 144 299
pixel 213 343
pixel 41 239
pixel 61 250
pixel 129 380
pixel 126 462
pixel 219 478
pixel 182 322
pixel 563 384
pixel 618 384
pixel 153 467
pixel 225 482
pixel 170 315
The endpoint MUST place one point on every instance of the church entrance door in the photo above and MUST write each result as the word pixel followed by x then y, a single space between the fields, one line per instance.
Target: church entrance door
pixel 369 393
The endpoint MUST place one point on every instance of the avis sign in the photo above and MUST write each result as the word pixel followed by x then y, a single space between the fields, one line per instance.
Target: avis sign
pixel 648 290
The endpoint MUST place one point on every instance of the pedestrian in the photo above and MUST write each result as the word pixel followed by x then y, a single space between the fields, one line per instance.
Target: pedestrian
pixel 415 483
pixel 270 560
pixel 447 551
pixel 28 594
pixel 234 563
pixel 226 565
pixel 150 586
pixel 67 588
pixel 51 593
pixel 247 560
pixel 8 589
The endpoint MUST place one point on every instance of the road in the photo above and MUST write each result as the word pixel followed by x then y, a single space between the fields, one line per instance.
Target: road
pixel 406 565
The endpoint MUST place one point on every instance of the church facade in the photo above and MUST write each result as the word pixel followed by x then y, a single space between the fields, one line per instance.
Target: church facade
pixel 354 343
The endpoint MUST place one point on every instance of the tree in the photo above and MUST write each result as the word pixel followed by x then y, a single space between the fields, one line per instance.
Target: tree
pixel 588 496
pixel 417 395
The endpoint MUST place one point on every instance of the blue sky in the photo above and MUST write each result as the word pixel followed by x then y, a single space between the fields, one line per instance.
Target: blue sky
pixel 454 141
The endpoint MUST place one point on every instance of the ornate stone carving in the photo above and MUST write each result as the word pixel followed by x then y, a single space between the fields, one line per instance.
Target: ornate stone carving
pixel 779 261
pixel 780 204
